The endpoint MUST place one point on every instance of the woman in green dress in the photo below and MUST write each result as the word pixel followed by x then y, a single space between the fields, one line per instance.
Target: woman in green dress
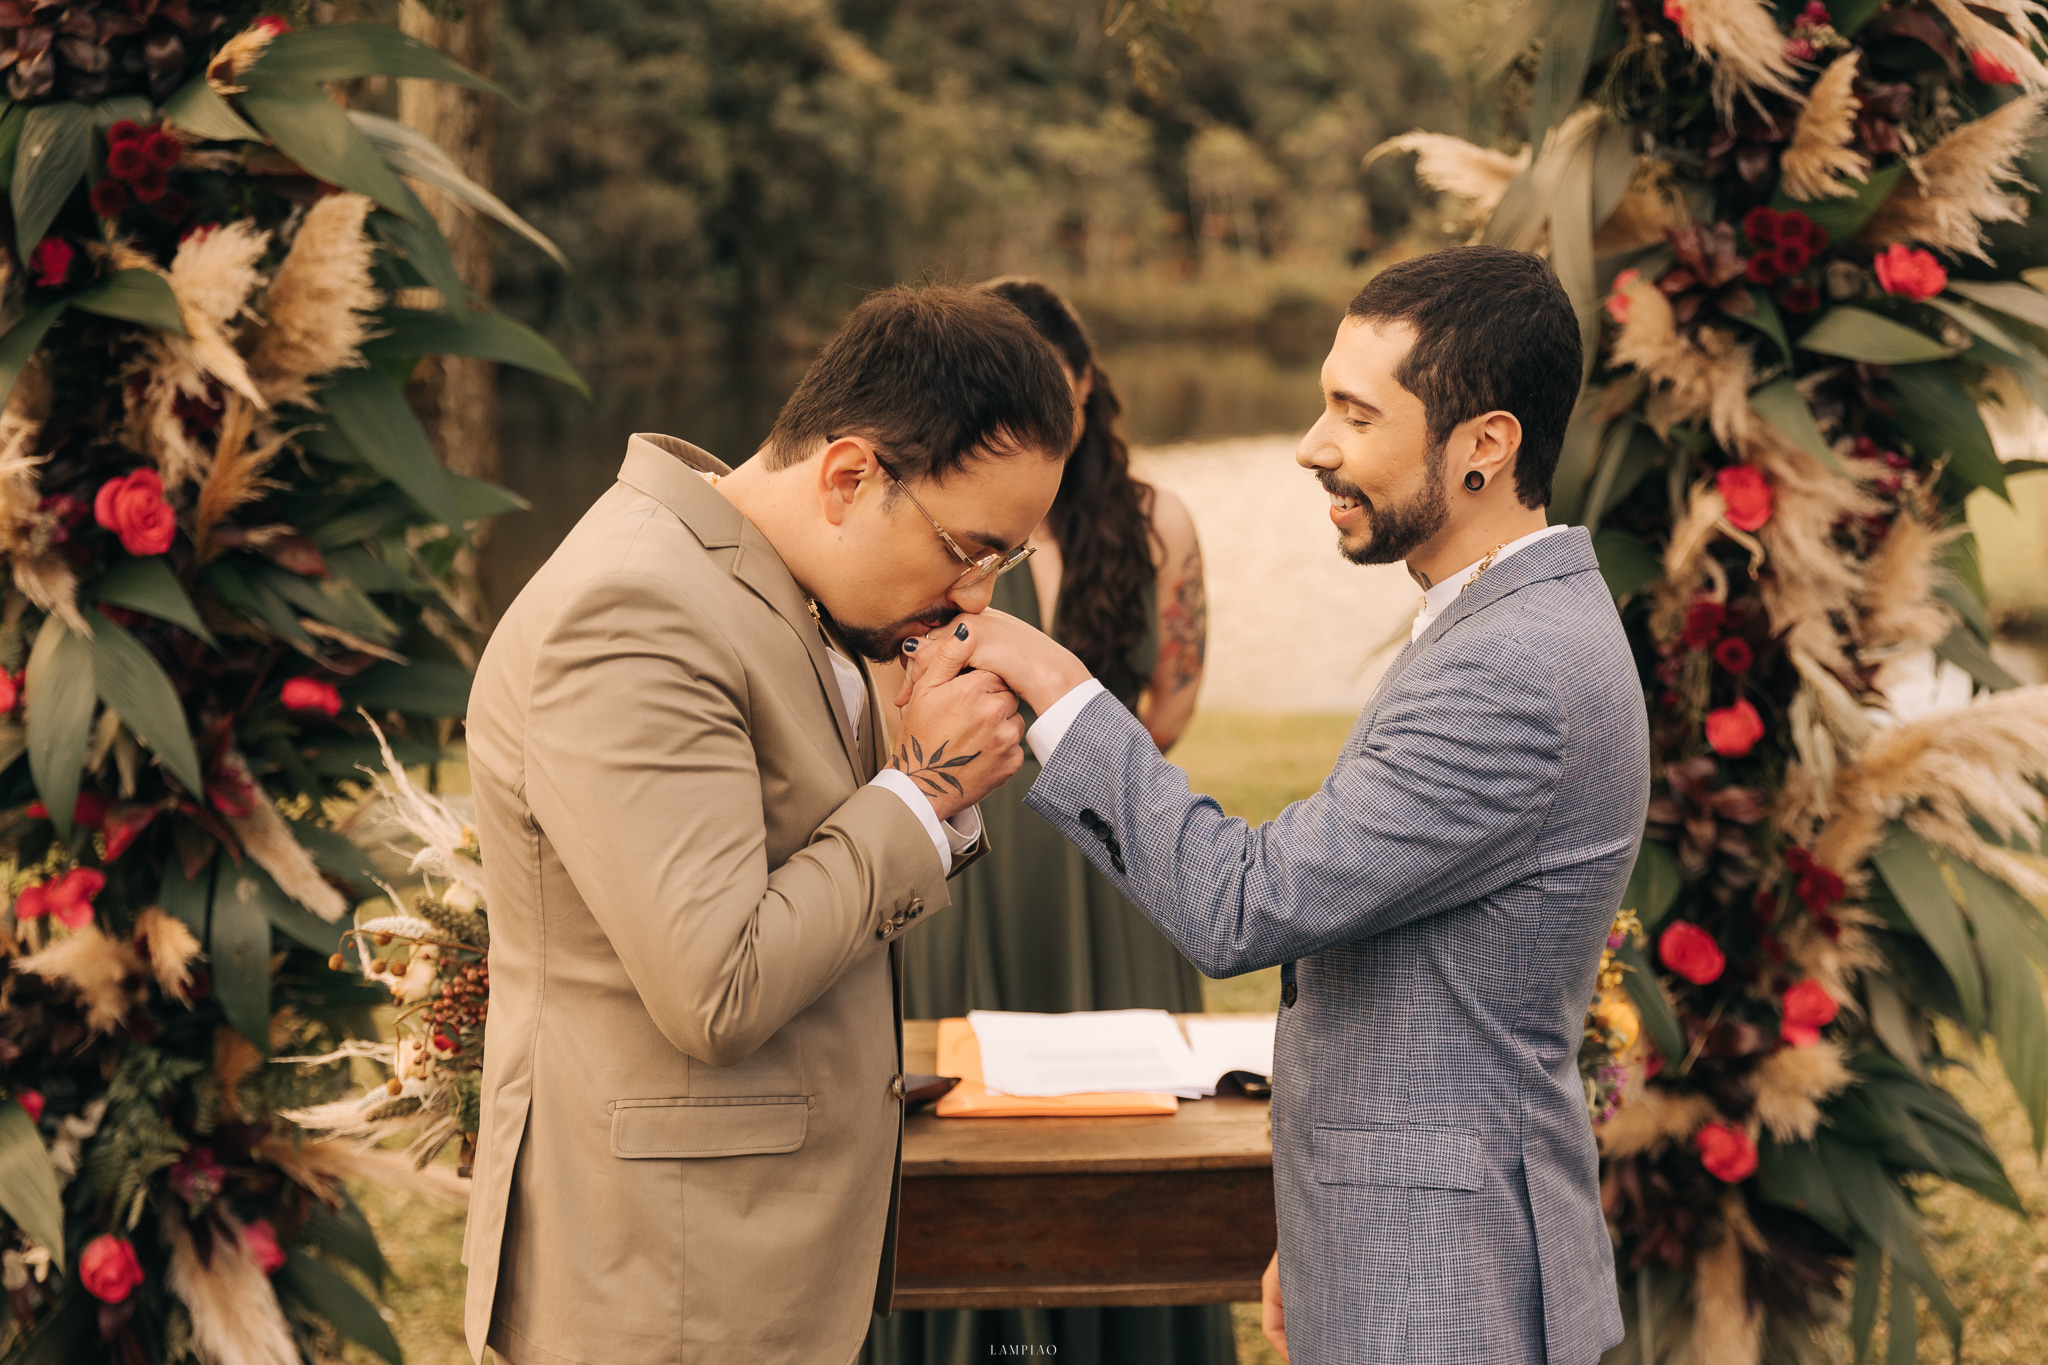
pixel 1034 926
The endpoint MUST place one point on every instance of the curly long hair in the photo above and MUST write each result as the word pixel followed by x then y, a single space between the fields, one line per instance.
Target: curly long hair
pixel 1098 517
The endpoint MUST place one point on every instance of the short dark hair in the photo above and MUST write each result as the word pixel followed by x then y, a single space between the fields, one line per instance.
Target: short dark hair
pixel 935 376
pixel 1494 330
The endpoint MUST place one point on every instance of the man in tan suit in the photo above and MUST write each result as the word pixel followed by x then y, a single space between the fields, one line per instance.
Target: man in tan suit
pixel 702 854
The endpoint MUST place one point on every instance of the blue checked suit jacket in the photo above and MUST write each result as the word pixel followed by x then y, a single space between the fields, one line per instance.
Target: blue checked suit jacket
pixel 1443 901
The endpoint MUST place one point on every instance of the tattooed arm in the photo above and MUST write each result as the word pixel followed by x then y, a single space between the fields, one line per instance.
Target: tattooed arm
pixel 1168 702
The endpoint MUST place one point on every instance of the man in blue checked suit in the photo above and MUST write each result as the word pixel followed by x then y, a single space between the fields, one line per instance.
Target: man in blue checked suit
pixel 1439 906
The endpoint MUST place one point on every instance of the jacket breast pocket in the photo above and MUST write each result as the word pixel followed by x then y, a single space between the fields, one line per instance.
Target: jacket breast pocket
pixel 1403 1158
pixel 709 1126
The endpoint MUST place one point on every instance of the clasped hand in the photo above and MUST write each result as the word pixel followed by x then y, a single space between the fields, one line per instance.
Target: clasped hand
pixel 961 734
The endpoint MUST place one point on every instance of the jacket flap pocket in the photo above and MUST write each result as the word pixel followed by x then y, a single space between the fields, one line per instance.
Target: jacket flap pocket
pixel 1409 1158
pixel 725 1125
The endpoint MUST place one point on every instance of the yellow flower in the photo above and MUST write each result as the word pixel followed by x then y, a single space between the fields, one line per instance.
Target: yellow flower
pixel 1618 1018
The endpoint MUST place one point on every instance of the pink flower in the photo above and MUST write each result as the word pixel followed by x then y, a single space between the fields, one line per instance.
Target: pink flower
pixel 69 897
pixel 1910 272
pixel 1618 301
pixel 271 24
pixel 133 507
pixel 1690 952
pixel 31 1100
pixel 1675 11
pixel 32 903
pixel 1728 1153
pixel 1747 494
pixel 109 1269
pixel 1807 1008
pixel 10 691
pixel 51 261
pixel 261 1241
pixel 1799 50
pixel 1815 15
pixel 1734 730
pixel 199 1178
pixel 1992 71
pixel 310 694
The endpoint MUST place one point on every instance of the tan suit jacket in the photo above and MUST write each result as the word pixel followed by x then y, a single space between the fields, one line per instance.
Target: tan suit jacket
pixel 691 1096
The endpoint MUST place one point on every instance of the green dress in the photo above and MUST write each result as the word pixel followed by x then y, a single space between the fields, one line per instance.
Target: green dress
pixel 1034 926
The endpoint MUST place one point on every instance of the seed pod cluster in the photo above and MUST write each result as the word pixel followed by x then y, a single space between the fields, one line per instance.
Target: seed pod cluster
pixel 463 999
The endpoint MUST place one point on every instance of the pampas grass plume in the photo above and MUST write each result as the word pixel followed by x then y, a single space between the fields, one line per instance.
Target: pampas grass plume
pixel 1961 184
pixel 270 841
pixel 97 968
pixel 314 312
pixel 1820 155
pixel 1456 166
pixel 1743 41
pixel 1792 1082
pixel 236 1318
pixel 1658 1117
pixel 171 949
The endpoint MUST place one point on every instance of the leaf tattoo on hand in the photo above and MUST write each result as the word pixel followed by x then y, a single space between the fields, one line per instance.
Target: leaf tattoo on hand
pixel 931 773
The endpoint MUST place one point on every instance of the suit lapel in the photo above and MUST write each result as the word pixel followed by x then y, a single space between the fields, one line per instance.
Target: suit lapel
pixel 670 471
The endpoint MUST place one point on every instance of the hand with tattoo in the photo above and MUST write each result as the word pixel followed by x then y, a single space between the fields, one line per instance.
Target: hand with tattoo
pixel 961 737
pixel 1034 665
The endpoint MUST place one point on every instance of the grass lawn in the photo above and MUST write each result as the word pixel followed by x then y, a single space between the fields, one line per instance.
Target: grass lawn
pixel 1994 1262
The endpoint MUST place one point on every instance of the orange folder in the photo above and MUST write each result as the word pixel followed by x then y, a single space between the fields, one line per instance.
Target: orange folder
pixel 960 1055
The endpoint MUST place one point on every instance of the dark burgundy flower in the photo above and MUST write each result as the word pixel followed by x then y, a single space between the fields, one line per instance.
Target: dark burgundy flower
pixel 127 159
pixel 109 198
pixel 151 185
pixel 51 262
pixel 1800 298
pixel 172 208
pixel 163 149
pixel 1703 621
pixel 126 130
pixel 1734 655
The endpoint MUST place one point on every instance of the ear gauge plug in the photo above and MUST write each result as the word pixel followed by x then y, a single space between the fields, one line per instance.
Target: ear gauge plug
pixel 1474 480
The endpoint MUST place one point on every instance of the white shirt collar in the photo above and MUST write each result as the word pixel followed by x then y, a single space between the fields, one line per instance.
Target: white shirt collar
pixel 1436 599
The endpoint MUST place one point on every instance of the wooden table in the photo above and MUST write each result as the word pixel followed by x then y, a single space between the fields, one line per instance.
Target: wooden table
pixel 1093 1212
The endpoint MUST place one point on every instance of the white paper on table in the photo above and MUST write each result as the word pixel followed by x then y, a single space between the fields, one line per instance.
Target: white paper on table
pixel 1223 1043
pixel 1085 1053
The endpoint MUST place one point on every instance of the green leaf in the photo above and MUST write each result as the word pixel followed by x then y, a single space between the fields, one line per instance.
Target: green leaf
pixel 1902 1330
pixel 1640 453
pixel 145 583
pixel 256 602
pixel 486 336
pixel 1869 1282
pixel 65 1334
pixel 1517 32
pixel 198 110
pixel 334 600
pixel 11 124
pixel 53 156
pixel 1614 169
pixel 1910 871
pixel 1659 1023
pixel 371 413
pixel 134 296
pixel 1626 563
pixel 130 680
pixel 416 689
pixel 1880 1208
pixel 411 152
pixel 1847 16
pixel 19 345
pixel 477 499
pixel 2014 300
pixel 1962 648
pixel 1843 218
pixel 238 947
pixel 1859 334
pixel 29 1192
pixel 328 1293
pixel 2006 926
pixel 1935 413
pixel 1653 884
pixel 316 132
pixel 419 242
pixel 1782 405
pixel 342 52
pixel 1792 1174
pixel 1763 315
pixel 1576 460
pixel 338 854
pixel 190 901
pixel 346 1234
pixel 134 108
pixel 1561 72
pixel 60 707
pixel 253 888
pixel 1985 328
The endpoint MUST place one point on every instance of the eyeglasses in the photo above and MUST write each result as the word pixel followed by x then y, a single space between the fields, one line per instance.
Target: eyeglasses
pixel 979 568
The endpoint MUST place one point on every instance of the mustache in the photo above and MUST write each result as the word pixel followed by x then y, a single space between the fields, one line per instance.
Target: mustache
pixel 1340 487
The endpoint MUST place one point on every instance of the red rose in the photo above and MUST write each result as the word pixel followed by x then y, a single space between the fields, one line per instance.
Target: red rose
pixel 1728 1153
pixel 163 149
pixel 70 896
pixel 109 198
pixel 127 130
pixel 1703 623
pixel 51 262
pixel 1675 11
pixel 127 159
pixel 260 1239
pixel 1807 1009
pixel 31 1100
pixel 108 1268
pixel 1747 494
pixel 1734 730
pixel 1734 655
pixel 1992 71
pixel 1690 951
pixel 310 694
pixel 1910 272
pixel 10 691
pixel 133 507
pixel 1618 301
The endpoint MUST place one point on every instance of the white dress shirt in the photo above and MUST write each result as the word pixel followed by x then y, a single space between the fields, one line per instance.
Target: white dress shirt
pixel 1046 733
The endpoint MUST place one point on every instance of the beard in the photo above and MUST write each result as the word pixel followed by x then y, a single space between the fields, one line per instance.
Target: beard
pixel 1395 531
pixel 881 644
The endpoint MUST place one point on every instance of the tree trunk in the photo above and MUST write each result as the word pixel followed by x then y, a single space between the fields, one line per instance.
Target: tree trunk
pixel 456 397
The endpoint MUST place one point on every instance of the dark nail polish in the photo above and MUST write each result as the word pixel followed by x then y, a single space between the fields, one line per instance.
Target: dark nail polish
pixel 910 646
pixel 960 631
